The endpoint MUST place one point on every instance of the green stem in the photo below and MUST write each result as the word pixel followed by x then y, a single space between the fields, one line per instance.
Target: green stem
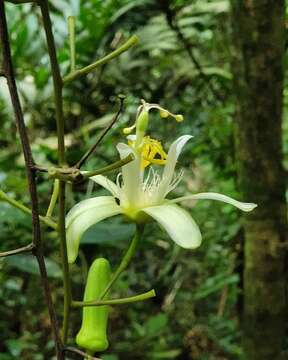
pixel 25 209
pixel 24 249
pixel 127 300
pixel 57 85
pixel 71 31
pixel 53 199
pixel 65 265
pixel 125 260
pixel 87 69
pixel 64 174
pixel 110 167
pixel 75 175
pixel 89 354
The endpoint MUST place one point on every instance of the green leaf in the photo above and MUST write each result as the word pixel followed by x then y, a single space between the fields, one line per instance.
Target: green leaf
pixel 14 346
pixel 108 233
pixel 169 354
pixel 156 324
pixel 215 284
pixel 28 263
pixel 109 357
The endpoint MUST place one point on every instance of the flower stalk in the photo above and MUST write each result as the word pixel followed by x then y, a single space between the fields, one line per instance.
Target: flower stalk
pixel 87 69
pixel 125 260
pixel 128 300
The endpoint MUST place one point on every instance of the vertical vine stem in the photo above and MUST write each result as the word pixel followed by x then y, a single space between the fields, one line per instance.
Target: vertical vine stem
pixel 7 67
pixel 71 31
pixel 58 86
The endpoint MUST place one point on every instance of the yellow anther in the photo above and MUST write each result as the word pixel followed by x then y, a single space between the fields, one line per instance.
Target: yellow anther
pixel 179 117
pixel 164 114
pixel 152 152
pixel 128 130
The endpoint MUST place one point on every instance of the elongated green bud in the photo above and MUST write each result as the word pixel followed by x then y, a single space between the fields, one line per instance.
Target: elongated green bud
pixel 93 333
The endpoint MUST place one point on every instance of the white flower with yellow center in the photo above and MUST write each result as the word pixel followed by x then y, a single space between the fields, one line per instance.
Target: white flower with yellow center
pixel 142 197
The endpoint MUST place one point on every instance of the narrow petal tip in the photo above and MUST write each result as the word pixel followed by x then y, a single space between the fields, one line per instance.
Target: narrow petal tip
pixel 248 206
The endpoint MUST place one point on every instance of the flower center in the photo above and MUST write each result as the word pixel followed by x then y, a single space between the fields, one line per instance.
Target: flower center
pixel 151 152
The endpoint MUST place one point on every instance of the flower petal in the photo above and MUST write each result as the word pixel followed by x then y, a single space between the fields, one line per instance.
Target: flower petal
pixel 107 184
pixel 130 172
pixel 178 223
pixel 173 154
pixel 218 197
pixel 82 216
pixel 172 157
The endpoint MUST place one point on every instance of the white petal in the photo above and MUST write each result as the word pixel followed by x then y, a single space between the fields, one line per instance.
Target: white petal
pixel 82 216
pixel 219 197
pixel 172 157
pixel 173 154
pixel 107 184
pixel 131 173
pixel 178 223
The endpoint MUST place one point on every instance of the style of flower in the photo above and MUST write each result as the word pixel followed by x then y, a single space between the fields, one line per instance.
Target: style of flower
pixel 140 195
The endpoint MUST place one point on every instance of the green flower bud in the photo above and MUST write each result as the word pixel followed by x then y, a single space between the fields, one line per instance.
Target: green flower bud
pixel 93 333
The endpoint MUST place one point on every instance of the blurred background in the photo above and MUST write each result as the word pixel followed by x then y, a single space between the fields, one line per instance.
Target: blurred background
pixel 184 62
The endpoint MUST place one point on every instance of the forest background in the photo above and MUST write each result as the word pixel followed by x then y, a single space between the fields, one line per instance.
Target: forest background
pixel 188 55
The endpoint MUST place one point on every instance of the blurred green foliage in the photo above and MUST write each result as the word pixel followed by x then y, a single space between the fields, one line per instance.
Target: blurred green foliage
pixel 196 312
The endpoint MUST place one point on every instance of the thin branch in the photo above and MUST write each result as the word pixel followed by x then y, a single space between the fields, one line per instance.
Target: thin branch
pixel 102 135
pixel 109 168
pixel 57 85
pixel 71 31
pixel 75 175
pixel 38 251
pixel 131 299
pixel 21 250
pixel 26 210
pixel 87 69
pixel 65 175
pixel 79 352
pixel 53 199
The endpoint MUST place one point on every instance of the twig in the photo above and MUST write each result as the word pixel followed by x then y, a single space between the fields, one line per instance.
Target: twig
pixel 26 210
pixel 127 300
pixel 71 31
pixel 110 167
pixel 222 301
pixel 38 251
pixel 87 69
pixel 57 85
pixel 53 199
pixel 79 352
pixel 21 250
pixel 102 135
pixel 75 175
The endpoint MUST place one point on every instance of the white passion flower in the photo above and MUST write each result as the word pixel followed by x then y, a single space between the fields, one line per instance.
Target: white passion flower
pixel 141 195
